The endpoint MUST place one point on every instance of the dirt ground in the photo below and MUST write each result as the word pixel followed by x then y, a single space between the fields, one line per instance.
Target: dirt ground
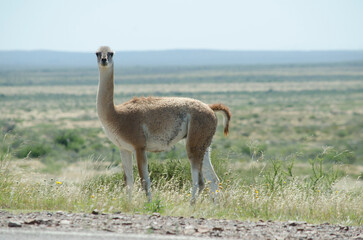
pixel 156 224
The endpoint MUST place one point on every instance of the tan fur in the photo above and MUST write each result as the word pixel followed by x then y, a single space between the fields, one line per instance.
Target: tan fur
pixel 156 123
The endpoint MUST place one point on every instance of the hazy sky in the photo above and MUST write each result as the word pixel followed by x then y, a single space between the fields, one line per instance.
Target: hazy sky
pixel 83 25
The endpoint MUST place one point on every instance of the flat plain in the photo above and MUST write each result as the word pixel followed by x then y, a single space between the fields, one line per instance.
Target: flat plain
pixel 294 152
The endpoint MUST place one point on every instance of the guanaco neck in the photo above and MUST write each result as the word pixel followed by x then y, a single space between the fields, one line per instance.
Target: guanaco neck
pixel 105 104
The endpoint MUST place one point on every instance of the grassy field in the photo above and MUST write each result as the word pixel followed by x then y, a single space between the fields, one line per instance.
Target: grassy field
pixel 295 149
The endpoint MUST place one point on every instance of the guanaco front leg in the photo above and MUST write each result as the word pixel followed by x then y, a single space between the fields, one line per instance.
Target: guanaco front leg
pixel 126 159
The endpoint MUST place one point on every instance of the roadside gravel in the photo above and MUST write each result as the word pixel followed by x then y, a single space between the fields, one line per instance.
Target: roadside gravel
pixel 164 225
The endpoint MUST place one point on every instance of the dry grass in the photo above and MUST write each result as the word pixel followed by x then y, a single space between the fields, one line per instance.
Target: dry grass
pixel 274 194
pixel 290 201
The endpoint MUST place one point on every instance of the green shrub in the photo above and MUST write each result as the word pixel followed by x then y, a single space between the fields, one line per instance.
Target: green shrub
pixel 323 173
pixel 177 169
pixel 70 140
pixel 33 150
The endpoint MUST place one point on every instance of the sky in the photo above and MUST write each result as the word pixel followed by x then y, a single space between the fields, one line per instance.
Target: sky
pixel 83 25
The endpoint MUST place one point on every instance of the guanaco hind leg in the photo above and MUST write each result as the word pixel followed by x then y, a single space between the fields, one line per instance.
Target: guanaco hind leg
pixel 143 172
pixel 210 175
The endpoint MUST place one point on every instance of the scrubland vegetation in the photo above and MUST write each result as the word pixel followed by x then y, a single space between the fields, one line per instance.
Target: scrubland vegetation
pixel 295 149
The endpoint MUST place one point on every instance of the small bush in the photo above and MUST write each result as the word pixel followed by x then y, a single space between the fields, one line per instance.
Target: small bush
pixel 33 150
pixel 70 140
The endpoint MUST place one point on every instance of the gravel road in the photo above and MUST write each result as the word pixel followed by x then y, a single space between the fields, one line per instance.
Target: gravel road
pixel 119 223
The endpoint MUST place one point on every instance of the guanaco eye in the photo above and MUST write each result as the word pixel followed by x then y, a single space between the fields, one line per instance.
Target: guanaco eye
pixel 97 54
pixel 110 54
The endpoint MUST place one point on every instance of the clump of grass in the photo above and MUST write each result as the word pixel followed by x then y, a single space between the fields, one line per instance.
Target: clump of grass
pixel 98 183
pixel 155 206
pixel 6 179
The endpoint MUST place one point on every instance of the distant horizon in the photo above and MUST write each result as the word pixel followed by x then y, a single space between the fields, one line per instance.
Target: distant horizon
pixel 177 57
pixel 186 49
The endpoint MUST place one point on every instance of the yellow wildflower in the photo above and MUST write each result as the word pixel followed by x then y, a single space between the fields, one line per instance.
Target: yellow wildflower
pixel 59 183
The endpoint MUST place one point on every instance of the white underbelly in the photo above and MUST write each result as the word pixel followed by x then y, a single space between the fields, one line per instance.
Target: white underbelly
pixel 161 146
pixel 116 139
pixel 166 140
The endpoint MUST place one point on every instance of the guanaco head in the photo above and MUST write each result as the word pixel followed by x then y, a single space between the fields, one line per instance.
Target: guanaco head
pixel 104 57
